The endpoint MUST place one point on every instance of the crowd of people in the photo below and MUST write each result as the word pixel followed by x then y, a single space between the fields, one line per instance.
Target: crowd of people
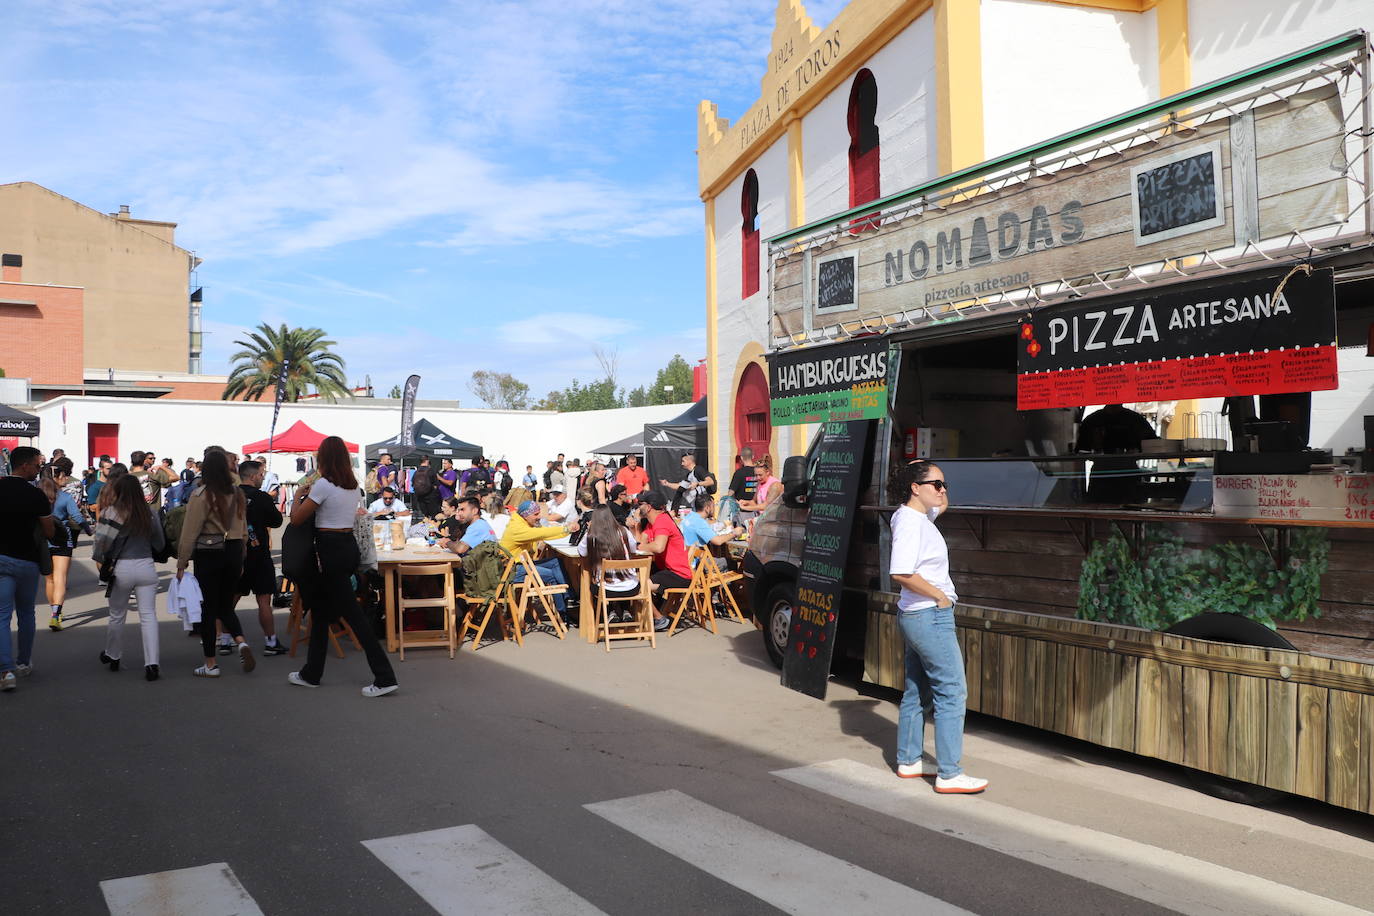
pixel 215 517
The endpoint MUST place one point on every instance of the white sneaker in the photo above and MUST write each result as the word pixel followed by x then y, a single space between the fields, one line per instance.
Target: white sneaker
pixel 7 680
pixel 23 670
pixel 372 690
pixel 203 671
pixel 295 678
pixel 963 784
pixel 915 770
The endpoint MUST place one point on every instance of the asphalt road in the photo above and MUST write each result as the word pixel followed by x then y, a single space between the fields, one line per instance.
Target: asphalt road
pixel 558 778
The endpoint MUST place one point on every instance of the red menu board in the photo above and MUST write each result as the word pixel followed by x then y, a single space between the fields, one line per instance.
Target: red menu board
pixel 1256 334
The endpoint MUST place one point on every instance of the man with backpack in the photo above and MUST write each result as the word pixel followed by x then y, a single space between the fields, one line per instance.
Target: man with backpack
pixel 476 480
pixel 425 486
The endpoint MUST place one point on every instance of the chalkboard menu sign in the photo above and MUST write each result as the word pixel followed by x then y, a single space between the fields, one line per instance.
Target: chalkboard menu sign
pixel 836 289
pixel 833 493
pixel 1178 194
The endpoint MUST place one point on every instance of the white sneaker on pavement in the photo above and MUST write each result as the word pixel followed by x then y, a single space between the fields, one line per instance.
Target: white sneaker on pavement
pixel 915 770
pixel 7 680
pixel 23 670
pixel 372 690
pixel 295 678
pixel 963 784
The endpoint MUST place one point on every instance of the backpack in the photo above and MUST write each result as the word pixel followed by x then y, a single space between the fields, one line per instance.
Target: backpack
pixel 171 532
pixel 548 478
pixel 482 568
pixel 423 482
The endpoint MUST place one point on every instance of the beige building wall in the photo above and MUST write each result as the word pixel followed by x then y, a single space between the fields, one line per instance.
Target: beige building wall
pixel 134 275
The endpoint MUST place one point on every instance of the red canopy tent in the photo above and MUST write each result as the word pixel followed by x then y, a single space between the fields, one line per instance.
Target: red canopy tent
pixel 297 439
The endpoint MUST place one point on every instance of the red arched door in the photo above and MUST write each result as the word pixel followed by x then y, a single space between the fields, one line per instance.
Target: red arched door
pixel 753 429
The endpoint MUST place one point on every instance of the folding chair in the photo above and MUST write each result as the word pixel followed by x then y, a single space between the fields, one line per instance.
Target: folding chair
pixel 642 627
pixel 534 587
pixel 697 594
pixel 718 582
pixel 445 603
pixel 484 606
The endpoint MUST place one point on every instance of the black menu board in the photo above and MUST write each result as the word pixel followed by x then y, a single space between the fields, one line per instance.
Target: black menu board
pixel 835 284
pixel 834 491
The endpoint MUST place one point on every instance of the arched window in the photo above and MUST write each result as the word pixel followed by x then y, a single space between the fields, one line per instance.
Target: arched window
pixel 753 429
pixel 864 184
pixel 749 235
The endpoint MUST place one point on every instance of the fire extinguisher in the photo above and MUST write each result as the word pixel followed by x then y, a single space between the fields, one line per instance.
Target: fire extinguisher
pixel 909 444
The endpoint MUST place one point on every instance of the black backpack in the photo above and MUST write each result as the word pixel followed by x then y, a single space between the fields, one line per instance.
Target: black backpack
pixel 423 481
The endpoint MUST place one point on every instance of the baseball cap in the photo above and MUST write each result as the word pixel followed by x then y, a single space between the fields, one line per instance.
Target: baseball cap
pixel 655 499
pixel 556 489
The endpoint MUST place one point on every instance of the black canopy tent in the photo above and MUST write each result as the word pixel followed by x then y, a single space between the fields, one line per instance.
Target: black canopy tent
pixel 430 441
pixel 17 423
pixel 632 444
pixel 665 443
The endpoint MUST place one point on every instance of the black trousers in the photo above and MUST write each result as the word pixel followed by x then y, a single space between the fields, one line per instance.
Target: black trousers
pixel 330 597
pixel 429 503
pixel 217 574
pixel 666 579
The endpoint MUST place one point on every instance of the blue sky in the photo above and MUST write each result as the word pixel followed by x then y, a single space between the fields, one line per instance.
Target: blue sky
pixel 442 186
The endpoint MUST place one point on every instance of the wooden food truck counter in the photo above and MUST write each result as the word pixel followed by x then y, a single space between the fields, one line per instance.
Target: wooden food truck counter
pixel 1062 613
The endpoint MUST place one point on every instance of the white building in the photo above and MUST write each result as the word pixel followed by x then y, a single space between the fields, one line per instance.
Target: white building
pixel 893 93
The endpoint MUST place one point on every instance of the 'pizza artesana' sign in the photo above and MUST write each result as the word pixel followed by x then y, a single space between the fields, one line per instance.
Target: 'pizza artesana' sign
pixel 829 384
pixel 1234 336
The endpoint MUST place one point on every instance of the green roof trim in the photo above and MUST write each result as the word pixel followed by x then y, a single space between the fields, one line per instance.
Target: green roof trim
pixel 1347 41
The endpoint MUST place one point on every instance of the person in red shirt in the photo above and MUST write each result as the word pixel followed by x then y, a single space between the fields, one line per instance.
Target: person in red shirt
pixel 632 477
pixel 662 538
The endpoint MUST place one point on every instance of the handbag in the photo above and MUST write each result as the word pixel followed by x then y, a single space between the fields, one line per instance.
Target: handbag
pixel 210 542
pixel 107 565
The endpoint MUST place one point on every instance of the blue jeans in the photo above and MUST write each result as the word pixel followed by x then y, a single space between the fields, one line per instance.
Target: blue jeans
pixel 18 591
pixel 934 681
pixel 551 571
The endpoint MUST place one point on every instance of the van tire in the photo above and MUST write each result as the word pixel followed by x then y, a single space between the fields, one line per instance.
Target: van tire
pixel 777 619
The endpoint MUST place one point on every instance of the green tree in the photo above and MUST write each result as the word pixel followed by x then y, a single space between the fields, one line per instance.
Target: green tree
pixel 500 390
pixel 312 363
pixel 395 392
pixel 638 397
pixel 602 395
pixel 673 384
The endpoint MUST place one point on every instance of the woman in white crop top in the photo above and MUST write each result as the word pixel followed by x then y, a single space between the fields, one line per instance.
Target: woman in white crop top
pixel 925 613
pixel 333 503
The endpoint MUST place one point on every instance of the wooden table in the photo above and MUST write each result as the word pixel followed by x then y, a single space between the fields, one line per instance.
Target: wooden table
pixel 574 566
pixel 387 561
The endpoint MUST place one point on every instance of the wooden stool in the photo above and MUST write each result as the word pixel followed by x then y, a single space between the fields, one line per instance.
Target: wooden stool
pixel 642 627
pixel 447 634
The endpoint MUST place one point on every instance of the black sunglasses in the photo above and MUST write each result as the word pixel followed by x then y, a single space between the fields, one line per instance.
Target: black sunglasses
pixel 937 484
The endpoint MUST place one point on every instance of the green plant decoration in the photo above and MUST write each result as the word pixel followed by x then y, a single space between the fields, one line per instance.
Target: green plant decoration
pixel 1169 581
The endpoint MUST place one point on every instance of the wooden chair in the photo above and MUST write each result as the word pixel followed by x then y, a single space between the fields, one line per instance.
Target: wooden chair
pixel 718 583
pixel 480 610
pixel 642 605
pixel 299 628
pixel 445 603
pixel 697 594
pixel 535 595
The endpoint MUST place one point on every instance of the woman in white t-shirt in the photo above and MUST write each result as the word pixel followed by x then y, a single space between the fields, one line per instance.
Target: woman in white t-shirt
pixel 919 564
pixel 333 503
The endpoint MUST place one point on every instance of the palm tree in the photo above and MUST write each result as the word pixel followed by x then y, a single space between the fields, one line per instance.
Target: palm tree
pixel 311 364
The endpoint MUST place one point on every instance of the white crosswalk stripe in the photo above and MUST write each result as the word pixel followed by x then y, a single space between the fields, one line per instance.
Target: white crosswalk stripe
pixel 206 890
pixel 789 875
pixel 460 870
pixel 1149 873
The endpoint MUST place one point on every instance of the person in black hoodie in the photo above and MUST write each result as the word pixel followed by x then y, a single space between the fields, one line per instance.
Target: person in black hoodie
pixel 259 577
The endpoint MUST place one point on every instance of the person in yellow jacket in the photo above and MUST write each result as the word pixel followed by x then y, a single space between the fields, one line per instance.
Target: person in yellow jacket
pixel 524 533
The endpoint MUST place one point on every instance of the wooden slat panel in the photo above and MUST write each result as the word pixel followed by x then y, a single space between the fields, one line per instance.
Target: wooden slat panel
pixel 1125 672
pixel 973 667
pixel 1149 710
pixel 1343 744
pixel 1281 736
pixel 1246 734
pixel 1311 780
pixel 992 674
pixel 1367 765
pixel 1197 693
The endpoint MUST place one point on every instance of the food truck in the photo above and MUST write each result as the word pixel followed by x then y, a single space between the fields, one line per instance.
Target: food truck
pixel 1143 354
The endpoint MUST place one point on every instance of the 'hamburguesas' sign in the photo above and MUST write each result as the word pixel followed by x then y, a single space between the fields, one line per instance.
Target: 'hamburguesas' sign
pixel 1235 336
pixel 835 383
pixel 834 489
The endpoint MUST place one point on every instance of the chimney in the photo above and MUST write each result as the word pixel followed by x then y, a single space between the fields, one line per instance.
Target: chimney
pixel 123 212
pixel 11 268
